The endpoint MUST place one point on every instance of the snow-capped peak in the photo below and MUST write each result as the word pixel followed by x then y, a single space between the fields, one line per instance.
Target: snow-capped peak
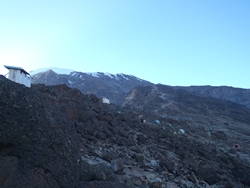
pixel 71 72
pixel 56 70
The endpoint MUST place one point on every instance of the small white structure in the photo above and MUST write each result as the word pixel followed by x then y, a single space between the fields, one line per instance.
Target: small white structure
pixel 105 100
pixel 181 131
pixel 19 75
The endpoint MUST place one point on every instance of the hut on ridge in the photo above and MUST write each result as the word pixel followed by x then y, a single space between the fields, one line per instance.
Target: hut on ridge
pixel 18 75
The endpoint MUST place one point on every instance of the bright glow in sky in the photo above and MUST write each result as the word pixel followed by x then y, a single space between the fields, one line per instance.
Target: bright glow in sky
pixel 173 42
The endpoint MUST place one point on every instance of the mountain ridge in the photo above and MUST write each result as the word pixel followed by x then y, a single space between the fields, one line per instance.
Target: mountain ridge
pixel 106 85
pixel 238 95
pixel 116 86
pixel 161 99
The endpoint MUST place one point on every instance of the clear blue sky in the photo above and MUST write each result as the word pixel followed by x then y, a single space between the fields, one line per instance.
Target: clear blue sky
pixel 173 42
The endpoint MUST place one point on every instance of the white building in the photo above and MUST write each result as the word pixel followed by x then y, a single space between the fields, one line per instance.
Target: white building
pixel 19 75
pixel 105 100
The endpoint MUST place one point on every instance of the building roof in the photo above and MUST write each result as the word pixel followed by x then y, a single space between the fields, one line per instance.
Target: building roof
pixel 16 68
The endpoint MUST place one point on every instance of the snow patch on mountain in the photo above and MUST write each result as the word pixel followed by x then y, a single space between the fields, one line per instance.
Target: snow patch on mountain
pixel 54 69
pixel 70 82
pixel 109 75
pixel 124 77
pixel 81 77
pixel 74 74
pixel 78 75
pixel 94 74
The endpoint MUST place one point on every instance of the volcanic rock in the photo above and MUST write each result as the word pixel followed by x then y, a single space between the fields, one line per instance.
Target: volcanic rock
pixel 55 136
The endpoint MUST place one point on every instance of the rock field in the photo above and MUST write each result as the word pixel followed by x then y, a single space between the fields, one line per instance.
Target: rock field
pixel 55 136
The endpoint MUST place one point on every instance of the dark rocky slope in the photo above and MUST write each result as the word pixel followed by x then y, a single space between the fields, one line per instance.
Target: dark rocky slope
pixel 165 100
pixel 237 95
pixel 38 144
pixel 54 136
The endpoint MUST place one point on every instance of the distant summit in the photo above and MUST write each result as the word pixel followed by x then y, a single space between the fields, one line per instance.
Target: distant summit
pixel 54 69
pixel 111 86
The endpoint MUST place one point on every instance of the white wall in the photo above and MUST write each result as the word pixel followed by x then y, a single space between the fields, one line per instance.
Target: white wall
pixel 105 100
pixel 19 77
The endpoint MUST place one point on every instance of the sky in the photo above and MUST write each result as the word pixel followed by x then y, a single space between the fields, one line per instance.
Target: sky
pixel 172 42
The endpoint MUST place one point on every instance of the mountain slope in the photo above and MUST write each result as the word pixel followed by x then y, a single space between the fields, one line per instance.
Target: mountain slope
pixel 113 87
pixel 205 119
pixel 165 100
pixel 55 136
pixel 237 95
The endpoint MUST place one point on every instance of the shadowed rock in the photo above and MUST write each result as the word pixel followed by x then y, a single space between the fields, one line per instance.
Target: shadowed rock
pixel 54 136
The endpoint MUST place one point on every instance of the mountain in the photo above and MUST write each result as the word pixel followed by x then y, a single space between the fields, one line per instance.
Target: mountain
pixel 168 102
pixel 238 95
pixel 55 136
pixel 113 87
pixel 55 69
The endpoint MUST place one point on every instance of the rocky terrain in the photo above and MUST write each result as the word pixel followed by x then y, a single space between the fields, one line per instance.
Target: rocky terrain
pixel 166 101
pixel 55 136
pixel 237 95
